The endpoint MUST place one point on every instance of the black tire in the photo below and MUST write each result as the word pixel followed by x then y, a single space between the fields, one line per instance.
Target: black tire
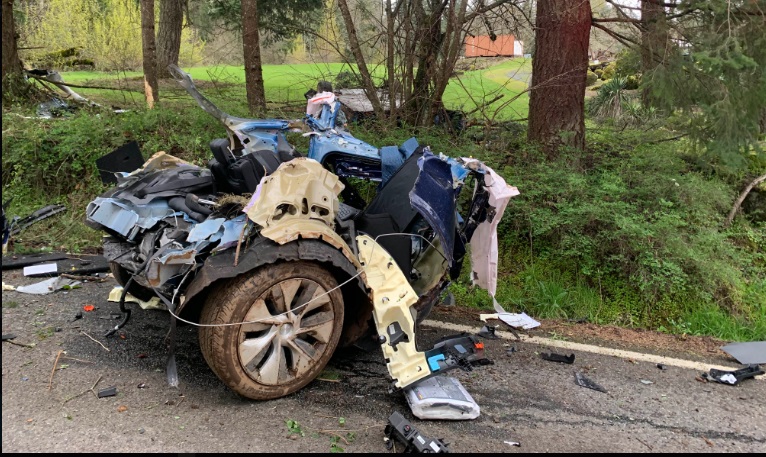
pixel 122 276
pixel 270 360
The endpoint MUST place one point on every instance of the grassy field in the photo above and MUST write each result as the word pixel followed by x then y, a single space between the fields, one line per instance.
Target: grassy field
pixel 286 84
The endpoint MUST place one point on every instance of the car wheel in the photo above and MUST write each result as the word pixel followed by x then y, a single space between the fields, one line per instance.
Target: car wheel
pixel 289 345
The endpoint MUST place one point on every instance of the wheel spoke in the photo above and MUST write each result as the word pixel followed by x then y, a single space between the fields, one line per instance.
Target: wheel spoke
pixel 260 312
pixel 252 351
pixel 273 368
pixel 318 299
pixel 288 289
pixel 303 355
pixel 308 290
pixel 319 325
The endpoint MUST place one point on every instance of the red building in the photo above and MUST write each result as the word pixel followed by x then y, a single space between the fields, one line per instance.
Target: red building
pixel 483 46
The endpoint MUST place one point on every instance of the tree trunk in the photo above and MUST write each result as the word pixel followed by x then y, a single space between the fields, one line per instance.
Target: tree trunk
pixel 559 69
pixel 390 60
pixel 151 88
pixel 169 35
pixel 654 40
pixel 353 42
pixel 11 63
pixel 251 40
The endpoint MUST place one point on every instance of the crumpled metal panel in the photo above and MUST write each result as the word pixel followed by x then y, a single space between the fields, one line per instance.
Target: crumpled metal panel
pixel 392 298
pixel 291 230
pixel 127 219
pixel 434 197
pixel 171 264
pixel 298 189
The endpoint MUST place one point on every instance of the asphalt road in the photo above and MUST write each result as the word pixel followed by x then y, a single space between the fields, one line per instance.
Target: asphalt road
pixel 523 398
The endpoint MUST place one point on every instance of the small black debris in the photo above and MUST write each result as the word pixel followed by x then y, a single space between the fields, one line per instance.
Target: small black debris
pixel 488 332
pixel 77 316
pixel 552 357
pixel 8 336
pixel 582 381
pixel 107 392
pixel 661 366
pixel 511 350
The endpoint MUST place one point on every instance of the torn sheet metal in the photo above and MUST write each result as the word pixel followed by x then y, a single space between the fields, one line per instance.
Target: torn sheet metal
pixel 48 286
pixel 434 197
pixel 298 189
pixel 153 303
pixel 170 264
pixel 232 228
pixel 753 352
pixel 209 230
pixel 512 319
pixel 126 219
pixel 484 241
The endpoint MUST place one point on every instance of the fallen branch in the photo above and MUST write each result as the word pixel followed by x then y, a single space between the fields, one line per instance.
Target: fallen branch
pixel 53 371
pixel 83 277
pixel 97 341
pixel 84 392
pixel 19 344
pixel 741 198
pixel 80 86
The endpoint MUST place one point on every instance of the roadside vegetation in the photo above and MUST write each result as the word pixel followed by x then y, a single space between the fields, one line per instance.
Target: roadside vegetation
pixel 626 232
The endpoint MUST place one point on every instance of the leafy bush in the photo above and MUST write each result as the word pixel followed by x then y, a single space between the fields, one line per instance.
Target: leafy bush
pixel 347 80
pixel 591 78
pixel 610 100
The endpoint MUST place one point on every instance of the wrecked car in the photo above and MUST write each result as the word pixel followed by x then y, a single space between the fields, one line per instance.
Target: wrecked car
pixel 278 260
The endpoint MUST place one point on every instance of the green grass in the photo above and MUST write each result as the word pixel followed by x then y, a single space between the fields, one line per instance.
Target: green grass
pixel 288 83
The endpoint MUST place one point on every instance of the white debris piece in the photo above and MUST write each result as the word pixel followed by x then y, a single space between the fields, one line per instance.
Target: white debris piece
pixel 41 269
pixel 514 320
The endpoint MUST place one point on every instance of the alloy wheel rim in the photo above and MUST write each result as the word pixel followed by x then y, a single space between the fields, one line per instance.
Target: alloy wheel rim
pixel 295 321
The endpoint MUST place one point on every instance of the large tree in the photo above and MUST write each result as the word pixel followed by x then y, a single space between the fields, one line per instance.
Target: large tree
pixel 169 34
pixel 256 96
pixel 559 69
pixel 11 63
pixel 151 87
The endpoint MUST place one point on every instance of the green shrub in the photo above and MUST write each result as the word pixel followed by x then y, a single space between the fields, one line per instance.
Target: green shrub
pixel 591 78
pixel 609 71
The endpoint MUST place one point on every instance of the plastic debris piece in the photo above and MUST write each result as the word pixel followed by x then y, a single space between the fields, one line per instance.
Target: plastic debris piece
pixel 512 443
pixel 107 392
pixel 8 287
pixel 8 336
pixel 513 320
pixel 646 382
pixel 88 308
pixel 661 366
pixel 45 269
pixel 733 377
pixel 441 397
pixel 750 353
pixel 401 430
pixel 47 286
pixel 122 408
pixel 78 315
pixel 488 332
pixel 152 303
pixel 553 357
pixel 582 381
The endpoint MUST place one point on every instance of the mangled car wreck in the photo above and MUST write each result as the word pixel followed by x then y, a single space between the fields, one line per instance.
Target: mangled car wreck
pixel 278 260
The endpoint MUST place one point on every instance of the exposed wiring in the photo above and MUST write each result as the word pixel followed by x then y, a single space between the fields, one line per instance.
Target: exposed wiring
pixel 299 306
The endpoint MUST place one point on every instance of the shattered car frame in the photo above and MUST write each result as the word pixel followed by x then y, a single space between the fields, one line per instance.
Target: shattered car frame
pixel 278 279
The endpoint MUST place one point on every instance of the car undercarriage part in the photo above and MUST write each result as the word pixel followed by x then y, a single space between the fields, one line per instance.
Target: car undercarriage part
pixel 733 377
pixel 401 430
pixel 392 298
pixel 441 397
